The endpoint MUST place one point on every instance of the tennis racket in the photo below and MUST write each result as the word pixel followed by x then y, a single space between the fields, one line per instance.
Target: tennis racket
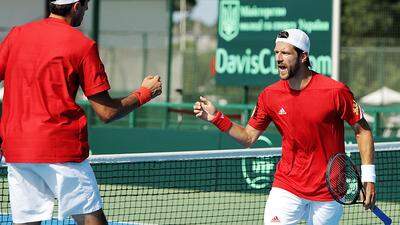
pixel 344 184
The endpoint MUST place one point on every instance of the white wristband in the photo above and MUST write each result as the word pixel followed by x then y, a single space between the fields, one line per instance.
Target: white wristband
pixel 368 173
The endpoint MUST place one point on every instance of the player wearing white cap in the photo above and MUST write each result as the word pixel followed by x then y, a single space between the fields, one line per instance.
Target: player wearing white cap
pixel 309 110
pixel 44 131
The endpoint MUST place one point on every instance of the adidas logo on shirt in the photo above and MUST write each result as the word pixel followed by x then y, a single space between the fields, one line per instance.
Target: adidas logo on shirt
pixel 275 220
pixel 282 111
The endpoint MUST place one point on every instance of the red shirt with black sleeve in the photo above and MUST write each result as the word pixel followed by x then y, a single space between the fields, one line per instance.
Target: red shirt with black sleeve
pixel 311 122
pixel 42 64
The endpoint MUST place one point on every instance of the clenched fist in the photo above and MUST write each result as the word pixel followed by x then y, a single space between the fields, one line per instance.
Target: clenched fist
pixel 204 109
pixel 154 84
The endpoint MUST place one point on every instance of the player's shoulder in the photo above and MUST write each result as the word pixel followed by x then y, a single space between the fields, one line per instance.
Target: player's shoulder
pixel 278 86
pixel 84 39
pixel 80 39
pixel 325 82
pixel 57 28
pixel 29 24
pixel 20 27
pixel 35 24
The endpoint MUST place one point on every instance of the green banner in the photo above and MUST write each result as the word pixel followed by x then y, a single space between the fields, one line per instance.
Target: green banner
pixel 246 37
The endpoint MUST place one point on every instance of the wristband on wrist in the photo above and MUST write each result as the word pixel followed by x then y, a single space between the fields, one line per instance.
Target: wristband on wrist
pixel 143 95
pixel 368 173
pixel 222 122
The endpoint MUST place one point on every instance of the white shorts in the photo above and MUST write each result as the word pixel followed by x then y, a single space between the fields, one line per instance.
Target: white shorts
pixel 34 187
pixel 286 208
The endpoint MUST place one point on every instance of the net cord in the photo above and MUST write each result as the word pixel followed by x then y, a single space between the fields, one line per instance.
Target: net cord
pixel 213 154
pixel 216 154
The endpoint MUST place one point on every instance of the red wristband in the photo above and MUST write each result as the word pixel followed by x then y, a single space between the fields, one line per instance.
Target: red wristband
pixel 143 95
pixel 222 122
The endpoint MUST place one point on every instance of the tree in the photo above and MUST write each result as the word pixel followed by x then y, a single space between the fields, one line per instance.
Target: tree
pixel 369 31
pixel 370 22
pixel 189 4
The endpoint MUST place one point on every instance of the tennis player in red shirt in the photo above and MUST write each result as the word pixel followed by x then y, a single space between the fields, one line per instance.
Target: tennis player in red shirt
pixel 44 131
pixel 309 110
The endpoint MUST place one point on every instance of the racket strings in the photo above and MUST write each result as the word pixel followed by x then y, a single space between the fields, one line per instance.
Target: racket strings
pixel 343 180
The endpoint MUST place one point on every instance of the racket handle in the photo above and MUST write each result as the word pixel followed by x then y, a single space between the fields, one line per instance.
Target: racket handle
pixel 381 215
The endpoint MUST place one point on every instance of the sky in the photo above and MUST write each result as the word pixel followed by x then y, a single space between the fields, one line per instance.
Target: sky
pixel 205 11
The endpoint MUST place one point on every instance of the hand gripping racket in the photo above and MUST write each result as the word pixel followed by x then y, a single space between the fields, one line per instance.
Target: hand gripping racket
pixel 344 183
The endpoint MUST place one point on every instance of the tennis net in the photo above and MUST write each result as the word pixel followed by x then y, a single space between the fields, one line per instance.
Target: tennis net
pixel 209 187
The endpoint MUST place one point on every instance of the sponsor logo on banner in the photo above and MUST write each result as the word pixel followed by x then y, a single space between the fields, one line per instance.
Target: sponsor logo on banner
pixel 229 19
pixel 258 172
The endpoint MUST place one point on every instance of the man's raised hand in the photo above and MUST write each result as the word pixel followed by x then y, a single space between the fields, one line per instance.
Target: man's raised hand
pixel 154 84
pixel 204 109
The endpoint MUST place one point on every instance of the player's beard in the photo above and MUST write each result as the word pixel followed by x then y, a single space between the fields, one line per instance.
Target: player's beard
pixel 76 20
pixel 291 71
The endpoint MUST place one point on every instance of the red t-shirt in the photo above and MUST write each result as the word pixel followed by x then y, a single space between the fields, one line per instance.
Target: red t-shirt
pixel 42 64
pixel 312 128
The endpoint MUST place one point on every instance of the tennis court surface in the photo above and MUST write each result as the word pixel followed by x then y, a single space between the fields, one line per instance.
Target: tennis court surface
pixel 213 187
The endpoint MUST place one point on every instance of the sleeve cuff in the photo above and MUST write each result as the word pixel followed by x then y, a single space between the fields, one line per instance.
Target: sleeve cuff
pixel 97 89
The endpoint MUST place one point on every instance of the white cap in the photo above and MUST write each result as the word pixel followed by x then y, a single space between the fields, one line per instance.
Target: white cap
pixel 64 2
pixel 297 38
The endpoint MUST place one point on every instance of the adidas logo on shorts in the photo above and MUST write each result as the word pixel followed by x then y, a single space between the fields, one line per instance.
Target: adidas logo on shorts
pixel 275 219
